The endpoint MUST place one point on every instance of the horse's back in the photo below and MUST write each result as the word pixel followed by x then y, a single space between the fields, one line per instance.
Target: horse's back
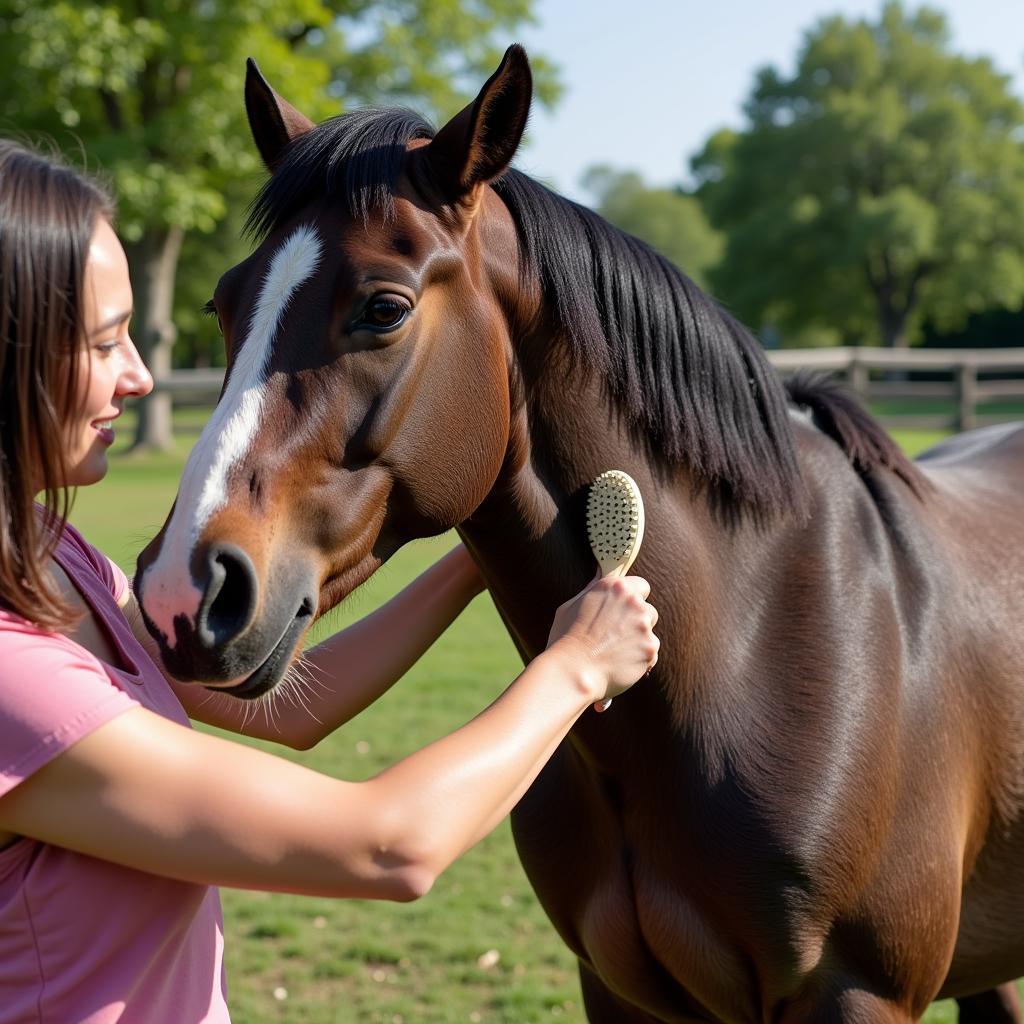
pixel 997 451
pixel 974 512
pixel 977 498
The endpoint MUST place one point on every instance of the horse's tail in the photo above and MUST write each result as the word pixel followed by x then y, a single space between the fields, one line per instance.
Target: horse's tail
pixel 838 413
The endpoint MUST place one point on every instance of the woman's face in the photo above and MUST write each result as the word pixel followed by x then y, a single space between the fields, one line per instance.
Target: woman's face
pixel 110 367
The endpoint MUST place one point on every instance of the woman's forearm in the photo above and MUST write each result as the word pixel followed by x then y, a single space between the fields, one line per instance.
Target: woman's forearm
pixel 142 791
pixel 365 660
pixel 449 795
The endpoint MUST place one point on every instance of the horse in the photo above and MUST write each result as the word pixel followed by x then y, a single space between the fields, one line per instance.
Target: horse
pixel 812 809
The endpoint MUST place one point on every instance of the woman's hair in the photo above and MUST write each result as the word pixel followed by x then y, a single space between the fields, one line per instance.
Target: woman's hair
pixel 48 214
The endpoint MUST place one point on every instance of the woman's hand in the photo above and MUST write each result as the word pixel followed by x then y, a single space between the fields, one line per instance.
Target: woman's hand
pixel 608 629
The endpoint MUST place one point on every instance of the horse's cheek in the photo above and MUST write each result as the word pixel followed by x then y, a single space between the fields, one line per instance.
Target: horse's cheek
pixel 453 465
pixel 457 430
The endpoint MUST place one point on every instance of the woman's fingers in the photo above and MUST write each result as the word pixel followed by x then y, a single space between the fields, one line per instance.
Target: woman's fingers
pixel 612 624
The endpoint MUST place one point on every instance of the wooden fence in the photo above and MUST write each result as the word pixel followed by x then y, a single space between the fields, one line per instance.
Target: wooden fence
pixel 956 383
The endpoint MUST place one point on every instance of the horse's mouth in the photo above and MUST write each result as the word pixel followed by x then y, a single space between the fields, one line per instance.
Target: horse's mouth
pixel 272 671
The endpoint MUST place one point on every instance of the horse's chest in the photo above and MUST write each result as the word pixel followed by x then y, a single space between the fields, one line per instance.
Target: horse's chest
pixel 632 919
pixel 649 941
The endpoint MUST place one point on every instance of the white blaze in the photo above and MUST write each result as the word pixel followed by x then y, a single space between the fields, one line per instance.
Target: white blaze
pixel 167 584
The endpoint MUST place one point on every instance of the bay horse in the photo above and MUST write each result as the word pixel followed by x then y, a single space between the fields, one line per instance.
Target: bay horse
pixel 812 811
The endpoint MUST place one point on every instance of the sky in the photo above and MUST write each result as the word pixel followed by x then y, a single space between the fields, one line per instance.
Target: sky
pixel 646 82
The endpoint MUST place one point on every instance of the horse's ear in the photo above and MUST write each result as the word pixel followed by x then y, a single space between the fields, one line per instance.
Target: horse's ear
pixel 477 144
pixel 273 120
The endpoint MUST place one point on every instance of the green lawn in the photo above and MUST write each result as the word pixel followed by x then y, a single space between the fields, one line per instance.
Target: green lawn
pixel 891 408
pixel 478 948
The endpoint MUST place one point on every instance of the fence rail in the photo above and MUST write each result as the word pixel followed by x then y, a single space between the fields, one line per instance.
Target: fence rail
pixel 975 376
pixel 191 387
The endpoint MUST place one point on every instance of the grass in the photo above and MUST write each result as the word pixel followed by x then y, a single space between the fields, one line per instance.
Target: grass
pixel 892 408
pixel 297 960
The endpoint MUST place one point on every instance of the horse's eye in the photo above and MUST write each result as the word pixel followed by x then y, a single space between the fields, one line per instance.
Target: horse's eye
pixel 384 313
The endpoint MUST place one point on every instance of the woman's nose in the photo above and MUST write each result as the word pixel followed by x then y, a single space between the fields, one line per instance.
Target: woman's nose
pixel 135 378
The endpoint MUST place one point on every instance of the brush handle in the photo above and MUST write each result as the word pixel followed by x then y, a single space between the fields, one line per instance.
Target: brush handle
pixel 614 541
pixel 603 705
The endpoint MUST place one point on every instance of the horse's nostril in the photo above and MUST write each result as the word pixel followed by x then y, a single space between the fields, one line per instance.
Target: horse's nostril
pixel 230 600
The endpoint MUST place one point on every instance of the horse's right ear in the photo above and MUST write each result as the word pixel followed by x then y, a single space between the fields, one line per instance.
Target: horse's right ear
pixel 273 120
pixel 476 145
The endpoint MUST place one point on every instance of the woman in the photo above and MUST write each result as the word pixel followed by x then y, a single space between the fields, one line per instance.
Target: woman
pixel 116 819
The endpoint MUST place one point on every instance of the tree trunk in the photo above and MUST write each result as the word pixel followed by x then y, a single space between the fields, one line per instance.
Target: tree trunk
pixel 893 303
pixel 153 262
pixel 893 325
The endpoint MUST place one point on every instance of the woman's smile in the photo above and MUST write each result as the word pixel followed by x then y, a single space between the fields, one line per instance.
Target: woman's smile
pixel 105 428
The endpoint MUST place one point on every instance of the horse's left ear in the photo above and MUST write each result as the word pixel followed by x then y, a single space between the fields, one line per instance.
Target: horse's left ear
pixel 476 145
pixel 273 120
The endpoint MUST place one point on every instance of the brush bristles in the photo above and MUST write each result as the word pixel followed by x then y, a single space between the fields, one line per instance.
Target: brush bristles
pixel 615 519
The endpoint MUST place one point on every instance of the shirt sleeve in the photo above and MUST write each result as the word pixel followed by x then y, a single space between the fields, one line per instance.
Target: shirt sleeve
pixel 52 694
pixel 111 574
pixel 116 579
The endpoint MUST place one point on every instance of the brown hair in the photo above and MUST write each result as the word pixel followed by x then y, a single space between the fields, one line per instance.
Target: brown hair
pixel 48 214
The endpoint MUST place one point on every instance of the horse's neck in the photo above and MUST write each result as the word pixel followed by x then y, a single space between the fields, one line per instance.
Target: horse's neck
pixel 710 581
pixel 529 534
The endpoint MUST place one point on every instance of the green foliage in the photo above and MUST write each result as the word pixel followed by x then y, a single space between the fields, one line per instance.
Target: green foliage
pixel 153 92
pixel 881 185
pixel 668 220
pixel 203 259
pixel 155 101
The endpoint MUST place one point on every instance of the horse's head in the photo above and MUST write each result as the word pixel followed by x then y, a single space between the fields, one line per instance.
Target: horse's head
pixel 366 401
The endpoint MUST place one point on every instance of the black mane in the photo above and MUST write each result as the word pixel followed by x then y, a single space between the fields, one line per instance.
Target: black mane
pixel 689 376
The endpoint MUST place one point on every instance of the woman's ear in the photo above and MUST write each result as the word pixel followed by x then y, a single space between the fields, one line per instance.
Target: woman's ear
pixel 273 120
pixel 478 144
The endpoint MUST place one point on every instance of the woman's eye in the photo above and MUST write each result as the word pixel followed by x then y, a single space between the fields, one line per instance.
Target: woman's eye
pixel 210 310
pixel 384 313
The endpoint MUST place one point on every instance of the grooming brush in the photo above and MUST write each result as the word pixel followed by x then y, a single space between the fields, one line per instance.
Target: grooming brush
pixel 615 526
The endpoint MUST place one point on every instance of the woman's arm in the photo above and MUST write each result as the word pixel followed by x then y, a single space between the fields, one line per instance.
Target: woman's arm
pixel 147 793
pixel 350 669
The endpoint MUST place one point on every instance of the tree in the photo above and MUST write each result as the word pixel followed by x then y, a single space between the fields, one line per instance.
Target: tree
pixel 881 184
pixel 152 92
pixel 666 219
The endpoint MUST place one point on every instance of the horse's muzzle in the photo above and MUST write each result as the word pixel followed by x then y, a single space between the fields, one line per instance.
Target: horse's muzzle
pixel 243 635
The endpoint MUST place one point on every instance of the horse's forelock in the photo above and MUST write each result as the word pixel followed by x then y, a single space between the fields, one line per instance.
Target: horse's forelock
pixel 356 158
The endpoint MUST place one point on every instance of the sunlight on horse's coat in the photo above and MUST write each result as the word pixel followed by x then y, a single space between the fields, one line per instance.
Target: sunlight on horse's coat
pixel 808 812
pixel 225 439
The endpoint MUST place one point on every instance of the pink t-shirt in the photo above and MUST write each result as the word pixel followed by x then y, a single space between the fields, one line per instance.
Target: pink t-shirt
pixel 82 939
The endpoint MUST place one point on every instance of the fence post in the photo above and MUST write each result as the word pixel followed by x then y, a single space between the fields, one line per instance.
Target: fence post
pixel 857 378
pixel 967 379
